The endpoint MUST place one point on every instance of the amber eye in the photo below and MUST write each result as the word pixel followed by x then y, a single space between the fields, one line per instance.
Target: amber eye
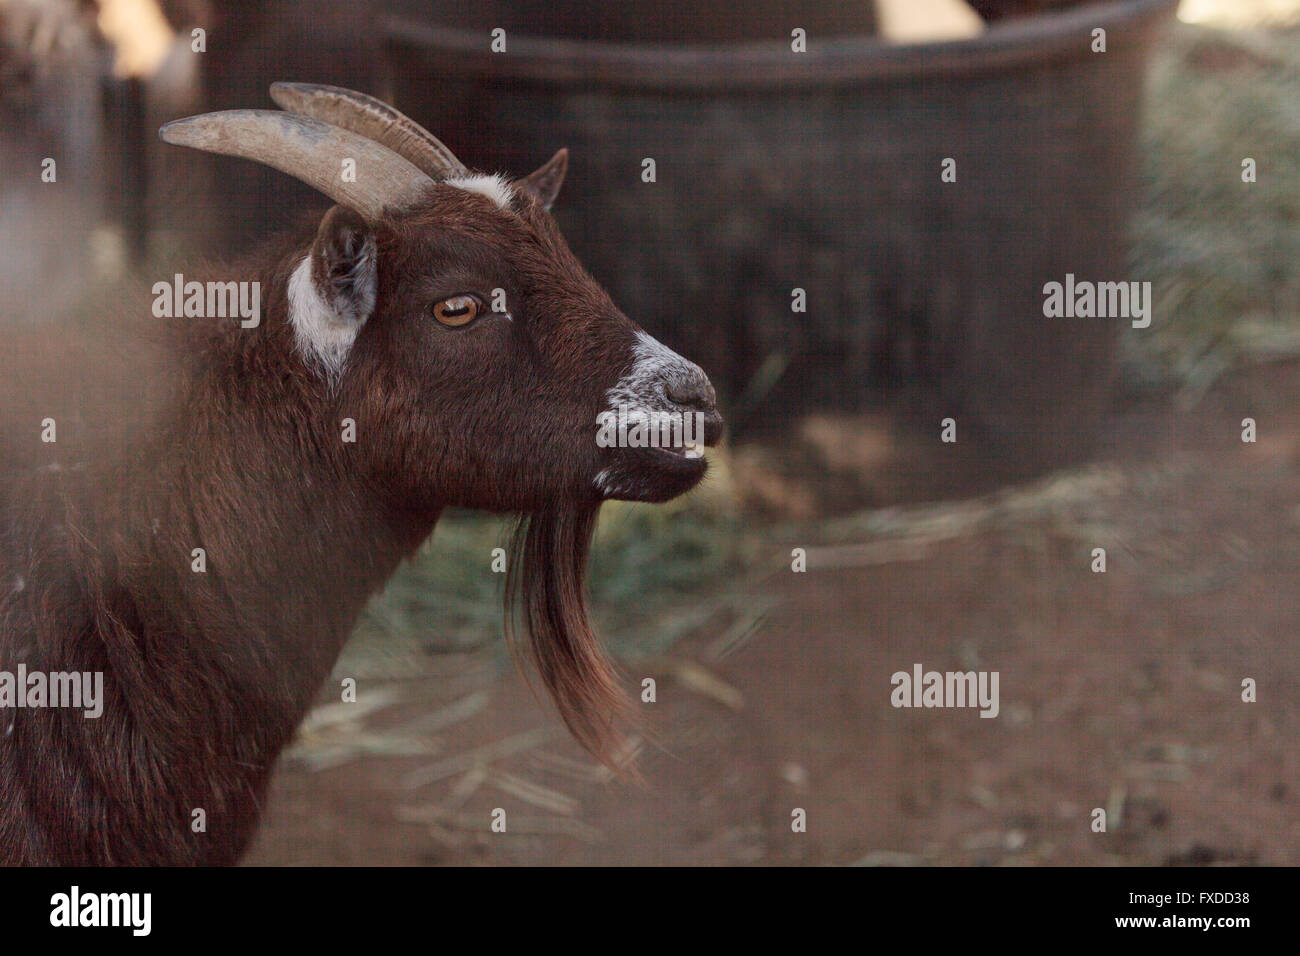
pixel 458 310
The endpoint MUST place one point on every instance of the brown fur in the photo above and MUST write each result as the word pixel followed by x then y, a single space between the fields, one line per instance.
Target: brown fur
pixel 545 586
pixel 228 441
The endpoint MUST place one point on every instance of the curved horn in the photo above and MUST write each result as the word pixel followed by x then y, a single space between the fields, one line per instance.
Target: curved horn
pixel 309 150
pixel 373 119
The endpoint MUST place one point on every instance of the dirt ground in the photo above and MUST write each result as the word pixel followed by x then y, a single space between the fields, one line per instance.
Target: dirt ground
pixel 1119 691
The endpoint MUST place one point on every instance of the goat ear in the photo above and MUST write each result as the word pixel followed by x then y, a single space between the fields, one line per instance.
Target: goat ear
pixel 544 182
pixel 344 265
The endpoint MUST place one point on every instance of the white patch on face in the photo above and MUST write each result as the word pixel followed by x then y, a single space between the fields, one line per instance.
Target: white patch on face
pixel 643 392
pixel 644 388
pixel 320 334
pixel 495 188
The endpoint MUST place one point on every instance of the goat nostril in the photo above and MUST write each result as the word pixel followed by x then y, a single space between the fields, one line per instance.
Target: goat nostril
pixel 693 393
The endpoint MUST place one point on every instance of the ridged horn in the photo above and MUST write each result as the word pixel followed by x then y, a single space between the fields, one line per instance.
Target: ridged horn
pixel 373 119
pixel 309 150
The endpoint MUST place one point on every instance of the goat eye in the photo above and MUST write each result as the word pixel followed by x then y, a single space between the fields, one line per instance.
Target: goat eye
pixel 458 310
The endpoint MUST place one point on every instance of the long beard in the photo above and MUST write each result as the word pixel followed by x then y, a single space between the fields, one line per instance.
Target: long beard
pixel 545 591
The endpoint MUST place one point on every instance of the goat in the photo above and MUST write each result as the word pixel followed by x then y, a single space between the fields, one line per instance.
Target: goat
pixel 378 322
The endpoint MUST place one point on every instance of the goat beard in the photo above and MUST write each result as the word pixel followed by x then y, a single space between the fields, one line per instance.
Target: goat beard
pixel 546 592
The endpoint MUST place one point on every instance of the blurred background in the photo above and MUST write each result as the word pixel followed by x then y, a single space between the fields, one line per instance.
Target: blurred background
pixel 799 242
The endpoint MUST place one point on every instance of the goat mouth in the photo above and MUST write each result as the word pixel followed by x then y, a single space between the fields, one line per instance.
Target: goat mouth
pixel 694 455
pixel 687 460
pixel 661 471
pixel 651 474
pixel 673 463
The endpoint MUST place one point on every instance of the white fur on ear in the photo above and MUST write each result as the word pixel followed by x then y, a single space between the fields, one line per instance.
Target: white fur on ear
pixel 324 330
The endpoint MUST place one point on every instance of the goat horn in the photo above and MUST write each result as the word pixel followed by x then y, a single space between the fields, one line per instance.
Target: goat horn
pixel 308 150
pixel 373 119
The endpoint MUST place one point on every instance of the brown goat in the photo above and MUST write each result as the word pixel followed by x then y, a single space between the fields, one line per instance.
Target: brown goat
pixel 307 455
